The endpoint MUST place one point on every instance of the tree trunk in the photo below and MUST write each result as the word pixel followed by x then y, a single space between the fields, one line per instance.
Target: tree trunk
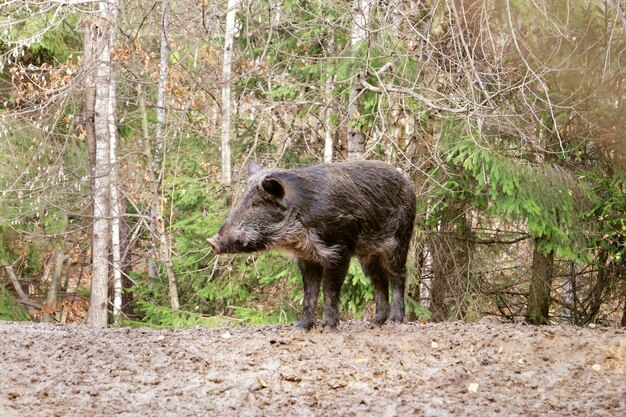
pixel 570 295
pixel 598 291
pixel 114 205
pixel 49 308
pixel 157 226
pixel 328 125
pixel 152 270
pixel 452 251
pixel 540 287
pixel 160 105
pixel 89 96
pixel 396 109
pixel 157 162
pixel 23 297
pixel 426 273
pixel 166 256
pixel 356 142
pixel 127 264
pixel 226 86
pixel 100 45
pixel 90 54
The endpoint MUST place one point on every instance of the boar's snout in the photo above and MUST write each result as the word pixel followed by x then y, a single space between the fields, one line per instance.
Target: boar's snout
pixel 227 244
pixel 215 244
pixel 233 243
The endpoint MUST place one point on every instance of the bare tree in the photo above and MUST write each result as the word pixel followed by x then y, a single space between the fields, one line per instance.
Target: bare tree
pixel 100 41
pixel 328 109
pixel 226 88
pixel 115 200
pixel 157 162
pixel 356 141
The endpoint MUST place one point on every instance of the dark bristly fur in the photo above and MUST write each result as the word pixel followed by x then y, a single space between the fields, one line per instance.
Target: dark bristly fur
pixel 324 215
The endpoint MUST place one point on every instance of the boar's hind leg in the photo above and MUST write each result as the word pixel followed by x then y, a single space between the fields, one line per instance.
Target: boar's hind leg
pixel 397 296
pixel 333 280
pixel 397 278
pixel 311 278
pixel 375 271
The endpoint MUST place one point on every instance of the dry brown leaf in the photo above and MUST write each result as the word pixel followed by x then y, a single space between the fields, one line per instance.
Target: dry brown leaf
pixel 261 382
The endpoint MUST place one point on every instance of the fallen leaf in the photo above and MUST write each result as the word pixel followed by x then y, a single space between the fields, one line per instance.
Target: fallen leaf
pixel 226 335
pixel 434 345
pixel 261 382
pixel 334 384
pixel 358 360
pixel 596 367
pixel 473 387
pixel 521 361
pixel 290 377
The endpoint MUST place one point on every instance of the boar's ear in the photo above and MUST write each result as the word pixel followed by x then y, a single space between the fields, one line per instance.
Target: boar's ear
pixel 273 187
pixel 253 168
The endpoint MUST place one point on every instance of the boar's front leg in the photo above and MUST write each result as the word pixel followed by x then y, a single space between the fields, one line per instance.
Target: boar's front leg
pixel 333 280
pixel 311 279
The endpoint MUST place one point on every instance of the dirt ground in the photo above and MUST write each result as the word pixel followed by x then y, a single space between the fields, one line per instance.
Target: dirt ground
pixel 448 369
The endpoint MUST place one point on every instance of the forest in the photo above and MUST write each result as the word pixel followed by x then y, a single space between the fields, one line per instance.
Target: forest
pixel 126 128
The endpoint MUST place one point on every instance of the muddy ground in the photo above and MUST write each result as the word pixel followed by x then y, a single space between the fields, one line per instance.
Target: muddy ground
pixel 448 369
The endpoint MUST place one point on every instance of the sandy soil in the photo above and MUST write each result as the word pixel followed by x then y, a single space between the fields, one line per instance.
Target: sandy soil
pixel 449 369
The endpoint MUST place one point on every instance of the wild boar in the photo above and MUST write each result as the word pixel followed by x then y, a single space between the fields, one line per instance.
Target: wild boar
pixel 324 215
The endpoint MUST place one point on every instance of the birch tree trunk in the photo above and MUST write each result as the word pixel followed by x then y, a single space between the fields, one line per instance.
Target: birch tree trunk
pixel 226 86
pixel 114 204
pixel 116 247
pixel 100 44
pixel 160 105
pixel 157 162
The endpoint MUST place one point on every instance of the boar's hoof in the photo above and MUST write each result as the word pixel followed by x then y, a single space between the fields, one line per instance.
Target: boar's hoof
pixel 379 321
pixel 303 325
pixel 331 329
pixel 396 318
pixel 330 324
